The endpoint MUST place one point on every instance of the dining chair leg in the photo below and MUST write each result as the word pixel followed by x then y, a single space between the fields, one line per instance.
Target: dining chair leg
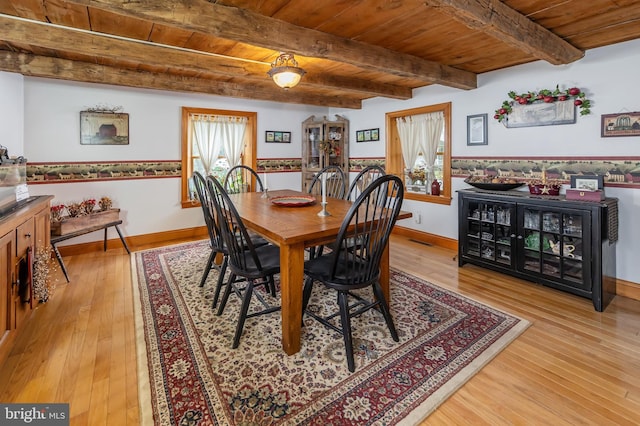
pixel 220 283
pixel 225 295
pixel 246 301
pixel 345 320
pixel 384 307
pixel 207 268
pixel 271 285
pixel 306 295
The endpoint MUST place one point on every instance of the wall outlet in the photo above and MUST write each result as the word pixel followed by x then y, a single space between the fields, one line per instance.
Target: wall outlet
pixel 417 217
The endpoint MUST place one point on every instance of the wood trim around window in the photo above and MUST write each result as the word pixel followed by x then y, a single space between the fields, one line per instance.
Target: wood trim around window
pixel 395 162
pixel 248 156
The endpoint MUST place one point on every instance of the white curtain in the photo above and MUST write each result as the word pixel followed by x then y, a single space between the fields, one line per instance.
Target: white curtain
pixel 410 144
pixel 234 129
pixel 430 128
pixel 213 132
pixel 420 133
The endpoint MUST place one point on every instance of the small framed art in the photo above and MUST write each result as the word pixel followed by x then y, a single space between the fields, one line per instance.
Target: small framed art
pixel 587 182
pixel 477 129
pixel 620 124
pixel 276 136
pixel 368 135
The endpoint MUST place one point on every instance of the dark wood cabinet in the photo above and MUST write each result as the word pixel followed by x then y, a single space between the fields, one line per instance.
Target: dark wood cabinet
pixel 564 244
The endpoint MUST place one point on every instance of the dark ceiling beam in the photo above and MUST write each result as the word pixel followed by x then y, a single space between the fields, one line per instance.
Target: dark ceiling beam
pixel 248 27
pixel 495 18
pixel 63 69
pixel 79 42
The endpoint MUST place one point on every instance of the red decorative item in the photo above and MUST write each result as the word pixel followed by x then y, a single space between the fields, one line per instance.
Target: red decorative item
pixel 582 195
pixel 540 189
pixel 435 187
pixel 545 95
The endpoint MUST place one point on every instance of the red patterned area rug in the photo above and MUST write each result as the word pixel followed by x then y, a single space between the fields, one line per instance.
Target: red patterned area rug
pixel 189 375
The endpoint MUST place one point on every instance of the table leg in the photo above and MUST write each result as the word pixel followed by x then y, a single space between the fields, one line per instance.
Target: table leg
pixel 60 261
pixel 384 274
pixel 291 280
pixel 104 244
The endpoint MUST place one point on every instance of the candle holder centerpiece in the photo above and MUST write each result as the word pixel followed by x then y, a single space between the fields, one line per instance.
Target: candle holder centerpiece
pixel 324 211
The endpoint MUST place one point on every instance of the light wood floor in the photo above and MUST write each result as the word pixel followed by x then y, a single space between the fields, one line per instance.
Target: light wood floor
pixel 573 366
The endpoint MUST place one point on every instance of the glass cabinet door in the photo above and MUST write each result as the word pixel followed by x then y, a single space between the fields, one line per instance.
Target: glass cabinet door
pixel 489 231
pixel 335 134
pixel 324 143
pixel 313 137
pixel 554 245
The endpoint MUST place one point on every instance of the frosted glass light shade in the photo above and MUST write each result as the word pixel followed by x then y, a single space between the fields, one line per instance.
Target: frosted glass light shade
pixel 285 71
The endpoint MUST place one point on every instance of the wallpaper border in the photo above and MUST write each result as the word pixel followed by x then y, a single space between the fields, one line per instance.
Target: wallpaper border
pixel 617 171
pixel 88 171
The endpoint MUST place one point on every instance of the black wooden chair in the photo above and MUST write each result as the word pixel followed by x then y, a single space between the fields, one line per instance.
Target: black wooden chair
pixel 257 265
pixel 215 238
pixel 348 267
pixel 363 180
pixel 241 178
pixel 335 182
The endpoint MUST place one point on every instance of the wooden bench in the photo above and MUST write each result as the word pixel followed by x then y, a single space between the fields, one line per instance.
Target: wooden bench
pixel 55 239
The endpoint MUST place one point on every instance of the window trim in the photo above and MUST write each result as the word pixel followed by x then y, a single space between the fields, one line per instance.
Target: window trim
pixel 395 162
pixel 249 157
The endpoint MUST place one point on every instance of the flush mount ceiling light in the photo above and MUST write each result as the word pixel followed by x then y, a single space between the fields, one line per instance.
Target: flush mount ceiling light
pixel 285 71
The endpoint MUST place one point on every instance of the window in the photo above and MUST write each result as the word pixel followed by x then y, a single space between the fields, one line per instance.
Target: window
pixel 417 176
pixel 192 157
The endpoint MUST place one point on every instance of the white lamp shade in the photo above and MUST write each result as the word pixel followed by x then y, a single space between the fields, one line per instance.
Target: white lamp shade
pixel 286 76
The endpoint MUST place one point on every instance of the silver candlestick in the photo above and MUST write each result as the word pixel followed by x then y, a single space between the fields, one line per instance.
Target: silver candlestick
pixel 324 211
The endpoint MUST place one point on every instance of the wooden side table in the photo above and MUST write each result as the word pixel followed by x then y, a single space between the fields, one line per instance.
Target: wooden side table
pixel 91 227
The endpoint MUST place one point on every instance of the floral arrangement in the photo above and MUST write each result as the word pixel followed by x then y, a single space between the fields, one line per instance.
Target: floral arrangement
pixel 43 285
pixel 56 212
pixel 330 147
pixel 544 95
pixel 105 203
pixel 418 175
pixel 88 205
pixel 75 209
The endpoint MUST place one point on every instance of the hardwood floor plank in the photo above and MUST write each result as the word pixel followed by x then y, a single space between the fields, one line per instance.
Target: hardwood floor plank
pixel 572 366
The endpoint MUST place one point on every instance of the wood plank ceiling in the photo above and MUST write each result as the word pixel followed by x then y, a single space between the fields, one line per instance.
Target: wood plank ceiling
pixel 351 49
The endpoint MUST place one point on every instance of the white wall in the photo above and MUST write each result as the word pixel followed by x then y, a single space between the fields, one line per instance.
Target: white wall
pixel 12 113
pixel 607 75
pixel 52 134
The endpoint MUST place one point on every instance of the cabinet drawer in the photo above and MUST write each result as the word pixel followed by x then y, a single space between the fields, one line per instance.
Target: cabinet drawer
pixel 24 237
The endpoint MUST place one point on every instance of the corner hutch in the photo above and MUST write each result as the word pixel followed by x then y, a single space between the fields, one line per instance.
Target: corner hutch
pixel 564 244
pixel 322 132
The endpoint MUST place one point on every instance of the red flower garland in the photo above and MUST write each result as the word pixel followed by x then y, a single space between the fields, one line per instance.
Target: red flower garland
pixel 544 95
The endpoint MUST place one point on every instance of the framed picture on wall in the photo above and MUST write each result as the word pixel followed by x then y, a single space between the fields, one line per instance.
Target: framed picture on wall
pixel 104 128
pixel 477 129
pixel 277 136
pixel 620 124
pixel 368 135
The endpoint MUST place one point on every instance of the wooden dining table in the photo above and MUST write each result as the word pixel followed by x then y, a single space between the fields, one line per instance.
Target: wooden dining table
pixel 293 229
